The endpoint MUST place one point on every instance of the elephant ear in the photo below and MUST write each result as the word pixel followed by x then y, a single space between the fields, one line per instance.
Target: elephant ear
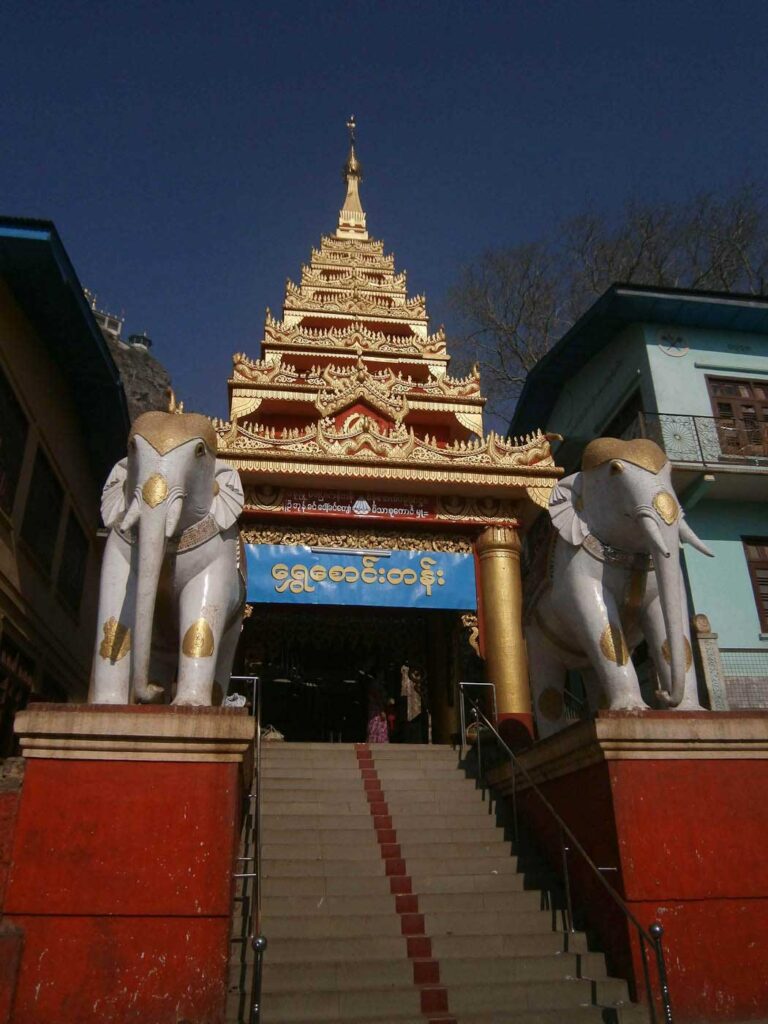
pixel 228 496
pixel 113 495
pixel 566 510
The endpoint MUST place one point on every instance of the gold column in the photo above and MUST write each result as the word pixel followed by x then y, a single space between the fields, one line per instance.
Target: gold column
pixel 498 549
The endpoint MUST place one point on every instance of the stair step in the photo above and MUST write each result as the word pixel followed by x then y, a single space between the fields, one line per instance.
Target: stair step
pixel 423 867
pixel 365 848
pixel 331 926
pixel 552 994
pixel 321 868
pixel 343 1005
pixel 491 970
pixel 337 975
pixel 316 821
pixel 319 885
pixel 312 906
pixel 358 948
pixel 446 947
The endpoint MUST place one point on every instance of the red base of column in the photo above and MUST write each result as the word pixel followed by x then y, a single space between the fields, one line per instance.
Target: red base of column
pixel 677 804
pixel 121 881
pixel 516 729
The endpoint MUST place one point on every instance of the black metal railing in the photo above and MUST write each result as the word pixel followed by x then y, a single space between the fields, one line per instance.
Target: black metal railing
pixel 250 894
pixel 649 939
pixel 704 440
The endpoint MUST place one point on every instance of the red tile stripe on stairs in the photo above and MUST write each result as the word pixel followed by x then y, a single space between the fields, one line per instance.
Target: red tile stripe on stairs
pixel 426 969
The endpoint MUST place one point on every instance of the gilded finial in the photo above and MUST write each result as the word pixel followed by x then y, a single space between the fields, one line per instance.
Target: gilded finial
pixel 173 405
pixel 352 216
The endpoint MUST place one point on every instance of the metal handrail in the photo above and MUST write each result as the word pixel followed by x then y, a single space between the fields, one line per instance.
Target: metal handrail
pixel 256 939
pixel 655 932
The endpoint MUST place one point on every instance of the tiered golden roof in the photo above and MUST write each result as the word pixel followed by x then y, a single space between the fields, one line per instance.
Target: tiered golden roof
pixel 351 384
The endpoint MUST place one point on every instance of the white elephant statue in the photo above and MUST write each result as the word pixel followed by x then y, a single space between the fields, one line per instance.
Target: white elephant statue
pixel 173 576
pixel 609 577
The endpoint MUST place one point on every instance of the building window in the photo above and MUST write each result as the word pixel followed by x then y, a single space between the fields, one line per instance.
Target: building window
pixel 756 550
pixel 741 409
pixel 13 438
pixel 43 512
pixel 74 559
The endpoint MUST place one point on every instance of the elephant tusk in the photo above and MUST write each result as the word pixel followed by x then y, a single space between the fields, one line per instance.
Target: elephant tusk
pixel 652 528
pixel 687 536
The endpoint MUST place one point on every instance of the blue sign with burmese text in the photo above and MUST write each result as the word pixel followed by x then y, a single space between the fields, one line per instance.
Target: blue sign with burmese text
pixel 295 574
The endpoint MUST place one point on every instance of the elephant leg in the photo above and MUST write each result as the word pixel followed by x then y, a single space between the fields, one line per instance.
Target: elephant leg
pixel 596 699
pixel 111 672
pixel 618 687
pixel 204 609
pixel 655 633
pixel 225 658
pixel 547 674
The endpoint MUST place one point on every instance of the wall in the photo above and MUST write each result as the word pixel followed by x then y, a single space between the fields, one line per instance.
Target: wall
pixel 58 639
pixel 602 386
pixel 679 382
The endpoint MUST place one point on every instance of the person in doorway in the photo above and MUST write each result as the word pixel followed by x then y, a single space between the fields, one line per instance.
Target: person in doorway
pixel 414 689
pixel 377 731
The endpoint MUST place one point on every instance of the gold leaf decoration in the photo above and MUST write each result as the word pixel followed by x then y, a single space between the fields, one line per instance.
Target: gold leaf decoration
pixel 667 654
pixel 613 645
pixel 198 640
pixel 117 640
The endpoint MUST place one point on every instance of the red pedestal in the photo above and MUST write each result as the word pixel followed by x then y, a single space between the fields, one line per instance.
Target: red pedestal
pixel 675 806
pixel 121 877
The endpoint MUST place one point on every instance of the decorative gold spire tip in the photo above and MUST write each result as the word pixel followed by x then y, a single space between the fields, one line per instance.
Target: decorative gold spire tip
pixel 352 215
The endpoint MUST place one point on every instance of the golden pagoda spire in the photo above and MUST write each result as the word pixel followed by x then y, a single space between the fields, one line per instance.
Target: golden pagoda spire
pixel 352 215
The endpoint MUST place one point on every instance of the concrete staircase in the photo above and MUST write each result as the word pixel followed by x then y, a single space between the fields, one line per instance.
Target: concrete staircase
pixel 391 895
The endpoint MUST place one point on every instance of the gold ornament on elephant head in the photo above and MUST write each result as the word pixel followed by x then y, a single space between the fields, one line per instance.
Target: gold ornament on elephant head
pixel 639 452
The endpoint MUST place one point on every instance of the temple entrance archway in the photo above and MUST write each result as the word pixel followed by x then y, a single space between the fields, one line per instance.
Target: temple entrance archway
pixel 317 664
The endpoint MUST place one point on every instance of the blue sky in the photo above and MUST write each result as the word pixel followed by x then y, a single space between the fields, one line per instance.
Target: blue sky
pixel 190 153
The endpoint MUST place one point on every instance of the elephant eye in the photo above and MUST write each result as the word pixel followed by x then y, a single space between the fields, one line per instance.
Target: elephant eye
pixel 200 449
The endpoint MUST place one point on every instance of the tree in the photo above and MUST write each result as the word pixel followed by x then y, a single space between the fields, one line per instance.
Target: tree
pixel 516 303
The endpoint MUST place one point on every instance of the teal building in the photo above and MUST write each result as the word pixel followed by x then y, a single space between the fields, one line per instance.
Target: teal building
pixel 689 370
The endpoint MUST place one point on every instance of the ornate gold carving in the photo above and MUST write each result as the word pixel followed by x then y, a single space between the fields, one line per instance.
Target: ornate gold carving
pixel 365 441
pixel 173 405
pixel 666 506
pixel 540 493
pixel 166 431
pixel 355 337
pixel 667 654
pixel 330 538
pixel 198 640
pixel 353 301
pixel 470 622
pixel 551 704
pixel 353 276
pixel 613 645
pixel 640 452
pixel 155 490
pixel 117 641
pixel 484 510
pixel 499 538
pixel 248 611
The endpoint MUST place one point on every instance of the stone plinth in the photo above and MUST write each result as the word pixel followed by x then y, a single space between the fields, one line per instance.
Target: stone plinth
pixel 674 807
pixel 121 875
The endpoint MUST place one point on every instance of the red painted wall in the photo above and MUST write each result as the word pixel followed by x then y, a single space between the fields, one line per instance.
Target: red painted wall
pixel 121 880
pixel 689 839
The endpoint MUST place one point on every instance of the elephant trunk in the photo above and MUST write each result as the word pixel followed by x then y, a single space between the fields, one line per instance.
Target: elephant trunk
pixel 152 542
pixel 665 544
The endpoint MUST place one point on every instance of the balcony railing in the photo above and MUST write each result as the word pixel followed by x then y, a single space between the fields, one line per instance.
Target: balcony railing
pixel 704 440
